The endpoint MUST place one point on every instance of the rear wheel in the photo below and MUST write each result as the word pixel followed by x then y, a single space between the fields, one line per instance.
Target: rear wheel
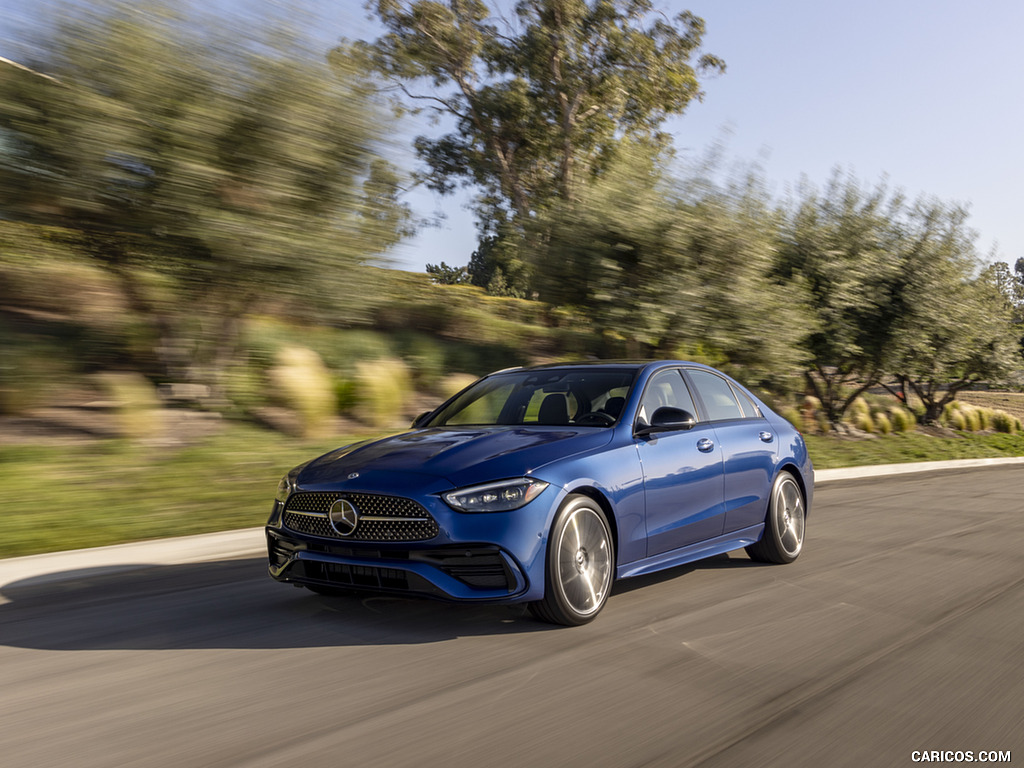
pixel 580 564
pixel 783 536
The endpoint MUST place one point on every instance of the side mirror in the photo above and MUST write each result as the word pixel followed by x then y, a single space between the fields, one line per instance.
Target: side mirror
pixel 420 420
pixel 668 419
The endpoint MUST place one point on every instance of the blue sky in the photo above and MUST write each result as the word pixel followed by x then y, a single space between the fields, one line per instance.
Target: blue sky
pixel 926 94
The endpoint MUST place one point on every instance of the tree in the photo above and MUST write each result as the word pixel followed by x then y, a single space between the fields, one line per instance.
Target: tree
pixel 842 244
pixel 1010 284
pixel 955 327
pixel 237 171
pixel 895 291
pixel 442 274
pixel 540 103
pixel 676 270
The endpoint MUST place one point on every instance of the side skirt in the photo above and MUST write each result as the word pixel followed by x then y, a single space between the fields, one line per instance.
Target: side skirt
pixel 730 541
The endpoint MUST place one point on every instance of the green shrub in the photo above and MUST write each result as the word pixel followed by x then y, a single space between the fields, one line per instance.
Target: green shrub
pixel 301 382
pixel 31 371
pixel 986 416
pixel 882 424
pixel 956 419
pixel 863 422
pixel 946 418
pixel 859 407
pixel 454 383
pixel 136 404
pixel 902 420
pixel 793 416
pixel 972 418
pixel 245 387
pixel 383 389
pixel 1004 422
pixel 346 396
pixel 338 349
pixel 810 410
pixel 425 356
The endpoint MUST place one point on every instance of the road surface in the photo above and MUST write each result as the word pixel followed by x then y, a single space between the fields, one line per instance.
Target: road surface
pixel 899 629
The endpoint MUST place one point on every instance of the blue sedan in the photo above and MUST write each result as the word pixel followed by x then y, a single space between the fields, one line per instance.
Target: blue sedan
pixel 543 485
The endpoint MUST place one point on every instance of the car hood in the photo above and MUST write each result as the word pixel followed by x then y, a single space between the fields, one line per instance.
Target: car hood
pixel 462 456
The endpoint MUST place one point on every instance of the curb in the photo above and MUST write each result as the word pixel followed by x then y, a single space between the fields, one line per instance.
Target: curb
pixel 886 470
pixel 52 567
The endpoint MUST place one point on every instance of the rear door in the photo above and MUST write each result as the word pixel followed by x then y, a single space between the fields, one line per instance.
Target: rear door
pixel 748 444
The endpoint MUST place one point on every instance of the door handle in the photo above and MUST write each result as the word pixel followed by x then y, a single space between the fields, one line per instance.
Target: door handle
pixel 766 437
pixel 705 446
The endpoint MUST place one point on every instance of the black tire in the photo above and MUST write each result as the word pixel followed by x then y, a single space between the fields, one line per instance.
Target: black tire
pixel 580 565
pixel 783 537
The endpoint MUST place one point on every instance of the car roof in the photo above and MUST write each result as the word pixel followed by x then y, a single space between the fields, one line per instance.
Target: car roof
pixel 618 364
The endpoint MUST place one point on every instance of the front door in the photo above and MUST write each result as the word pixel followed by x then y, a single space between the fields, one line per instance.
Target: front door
pixel 683 485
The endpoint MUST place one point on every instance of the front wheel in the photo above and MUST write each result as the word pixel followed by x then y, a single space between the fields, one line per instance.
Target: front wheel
pixel 580 564
pixel 783 536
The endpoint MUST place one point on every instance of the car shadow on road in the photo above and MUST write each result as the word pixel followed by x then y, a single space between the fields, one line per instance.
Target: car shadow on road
pixel 233 604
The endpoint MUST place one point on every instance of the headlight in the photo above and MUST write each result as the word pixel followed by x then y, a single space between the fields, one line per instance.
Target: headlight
pixel 284 488
pixel 495 497
pixel 289 483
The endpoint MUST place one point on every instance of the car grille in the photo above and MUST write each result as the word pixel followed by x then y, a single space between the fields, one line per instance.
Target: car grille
pixel 381 518
pixel 482 568
pixel 359 576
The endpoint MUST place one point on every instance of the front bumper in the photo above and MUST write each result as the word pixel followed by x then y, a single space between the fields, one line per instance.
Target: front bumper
pixel 453 572
pixel 485 557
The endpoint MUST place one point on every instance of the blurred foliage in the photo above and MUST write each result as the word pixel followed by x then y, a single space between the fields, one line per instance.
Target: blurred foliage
pixel 236 169
pixel 136 404
pixel 300 380
pixel 684 270
pixel 34 367
pixel 189 206
pixel 383 391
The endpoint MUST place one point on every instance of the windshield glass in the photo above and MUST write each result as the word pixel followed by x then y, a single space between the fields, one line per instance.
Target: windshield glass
pixel 591 397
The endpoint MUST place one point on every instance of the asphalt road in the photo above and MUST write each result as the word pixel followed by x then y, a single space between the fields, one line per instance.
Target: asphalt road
pixel 900 628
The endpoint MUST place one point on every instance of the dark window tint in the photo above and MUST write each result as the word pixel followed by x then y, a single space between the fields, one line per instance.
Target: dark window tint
pixel 717 395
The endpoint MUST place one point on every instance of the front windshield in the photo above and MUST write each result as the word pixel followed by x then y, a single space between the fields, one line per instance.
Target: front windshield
pixel 553 396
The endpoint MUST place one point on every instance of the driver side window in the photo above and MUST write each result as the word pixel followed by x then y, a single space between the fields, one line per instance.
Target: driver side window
pixel 666 388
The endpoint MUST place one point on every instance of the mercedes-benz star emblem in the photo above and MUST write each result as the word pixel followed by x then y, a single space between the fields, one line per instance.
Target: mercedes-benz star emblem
pixel 344 517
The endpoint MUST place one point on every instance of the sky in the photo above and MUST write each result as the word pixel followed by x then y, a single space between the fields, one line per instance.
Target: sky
pixel 926 95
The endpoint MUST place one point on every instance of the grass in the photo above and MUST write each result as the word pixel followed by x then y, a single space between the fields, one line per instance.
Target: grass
pixel 898 448
pixel 112 491
pixel 109 492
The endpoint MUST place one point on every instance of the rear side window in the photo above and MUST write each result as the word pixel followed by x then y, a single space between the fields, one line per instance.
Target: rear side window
pixel 749 408
pixel 718 396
